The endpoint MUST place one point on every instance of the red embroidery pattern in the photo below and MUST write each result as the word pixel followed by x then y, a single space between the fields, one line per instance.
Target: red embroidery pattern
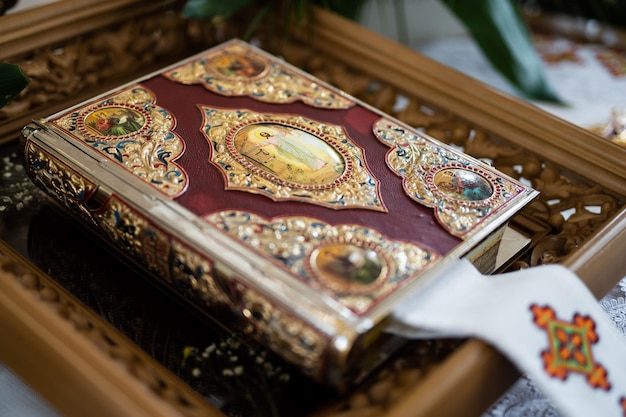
pixel 555 50
pixel 613 60
pixel 570 347
pixel 622 404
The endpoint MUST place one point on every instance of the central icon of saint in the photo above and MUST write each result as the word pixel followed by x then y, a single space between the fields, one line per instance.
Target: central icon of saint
pixel 289 153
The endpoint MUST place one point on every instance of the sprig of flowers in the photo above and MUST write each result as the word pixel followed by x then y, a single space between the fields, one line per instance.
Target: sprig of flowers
pixel 247 372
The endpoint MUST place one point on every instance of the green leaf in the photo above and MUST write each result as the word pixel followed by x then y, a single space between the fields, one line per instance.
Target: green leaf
pixel 501 33
pixel 206 9
pixel 12 81
pixel 256 21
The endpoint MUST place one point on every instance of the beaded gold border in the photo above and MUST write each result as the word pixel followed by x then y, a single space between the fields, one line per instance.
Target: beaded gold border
pixel 292 240
pixel 149 152
pixel 356 187
pixel 417 159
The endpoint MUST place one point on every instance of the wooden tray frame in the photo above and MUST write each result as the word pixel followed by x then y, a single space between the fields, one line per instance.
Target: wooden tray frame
pixel 83 366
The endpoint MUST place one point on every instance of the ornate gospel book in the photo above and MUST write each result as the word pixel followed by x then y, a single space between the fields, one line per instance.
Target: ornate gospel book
pixel 273 202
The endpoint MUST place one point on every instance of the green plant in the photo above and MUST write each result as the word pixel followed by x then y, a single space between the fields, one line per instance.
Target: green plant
pixel 12 81
pixel 496 25
pixel 499 29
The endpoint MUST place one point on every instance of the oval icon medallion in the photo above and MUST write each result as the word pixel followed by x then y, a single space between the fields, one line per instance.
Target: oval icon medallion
pixel 462 184
pixel 113 122
pixel 237 66
pixel 289 154
pixel 348 267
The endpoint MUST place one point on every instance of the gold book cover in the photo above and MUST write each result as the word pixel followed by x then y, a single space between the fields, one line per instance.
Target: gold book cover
pixel 272 201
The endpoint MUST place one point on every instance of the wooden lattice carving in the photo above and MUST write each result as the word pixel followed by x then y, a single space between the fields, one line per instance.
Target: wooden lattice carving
pixel 62 73
pixel 569 209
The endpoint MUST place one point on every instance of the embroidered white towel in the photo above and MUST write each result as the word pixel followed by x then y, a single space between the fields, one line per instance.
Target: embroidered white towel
pixel 544 319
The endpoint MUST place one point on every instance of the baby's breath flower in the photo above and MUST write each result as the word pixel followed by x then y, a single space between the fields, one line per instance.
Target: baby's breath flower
pixel 232 359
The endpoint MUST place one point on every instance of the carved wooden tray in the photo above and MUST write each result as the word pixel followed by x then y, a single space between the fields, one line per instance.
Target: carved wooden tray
pixel 124 356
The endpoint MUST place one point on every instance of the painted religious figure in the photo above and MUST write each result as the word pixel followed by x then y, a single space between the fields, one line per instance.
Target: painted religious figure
pixel 289 154
pixel 463 184
pixel 347 265
pixel 114 121
pixel 236 65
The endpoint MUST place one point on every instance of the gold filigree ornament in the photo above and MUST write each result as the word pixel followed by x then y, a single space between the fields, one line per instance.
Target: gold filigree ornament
pixel 130 129
pixel 356 265
pixel 240 70
pixel 135 235
pixel 57 179
pixel 462 192
pixel 289 157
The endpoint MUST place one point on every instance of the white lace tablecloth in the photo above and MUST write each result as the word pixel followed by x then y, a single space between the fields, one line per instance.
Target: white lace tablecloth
pixel 590 79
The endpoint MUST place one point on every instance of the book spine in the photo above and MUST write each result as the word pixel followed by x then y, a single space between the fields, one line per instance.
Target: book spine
pixel 201 281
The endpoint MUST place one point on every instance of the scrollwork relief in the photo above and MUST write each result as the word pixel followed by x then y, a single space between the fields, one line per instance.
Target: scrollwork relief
pixel 239 70
pixel 463 193
pixel 355 264
pixel 290 157
pixel 66 185
pixel 130 129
